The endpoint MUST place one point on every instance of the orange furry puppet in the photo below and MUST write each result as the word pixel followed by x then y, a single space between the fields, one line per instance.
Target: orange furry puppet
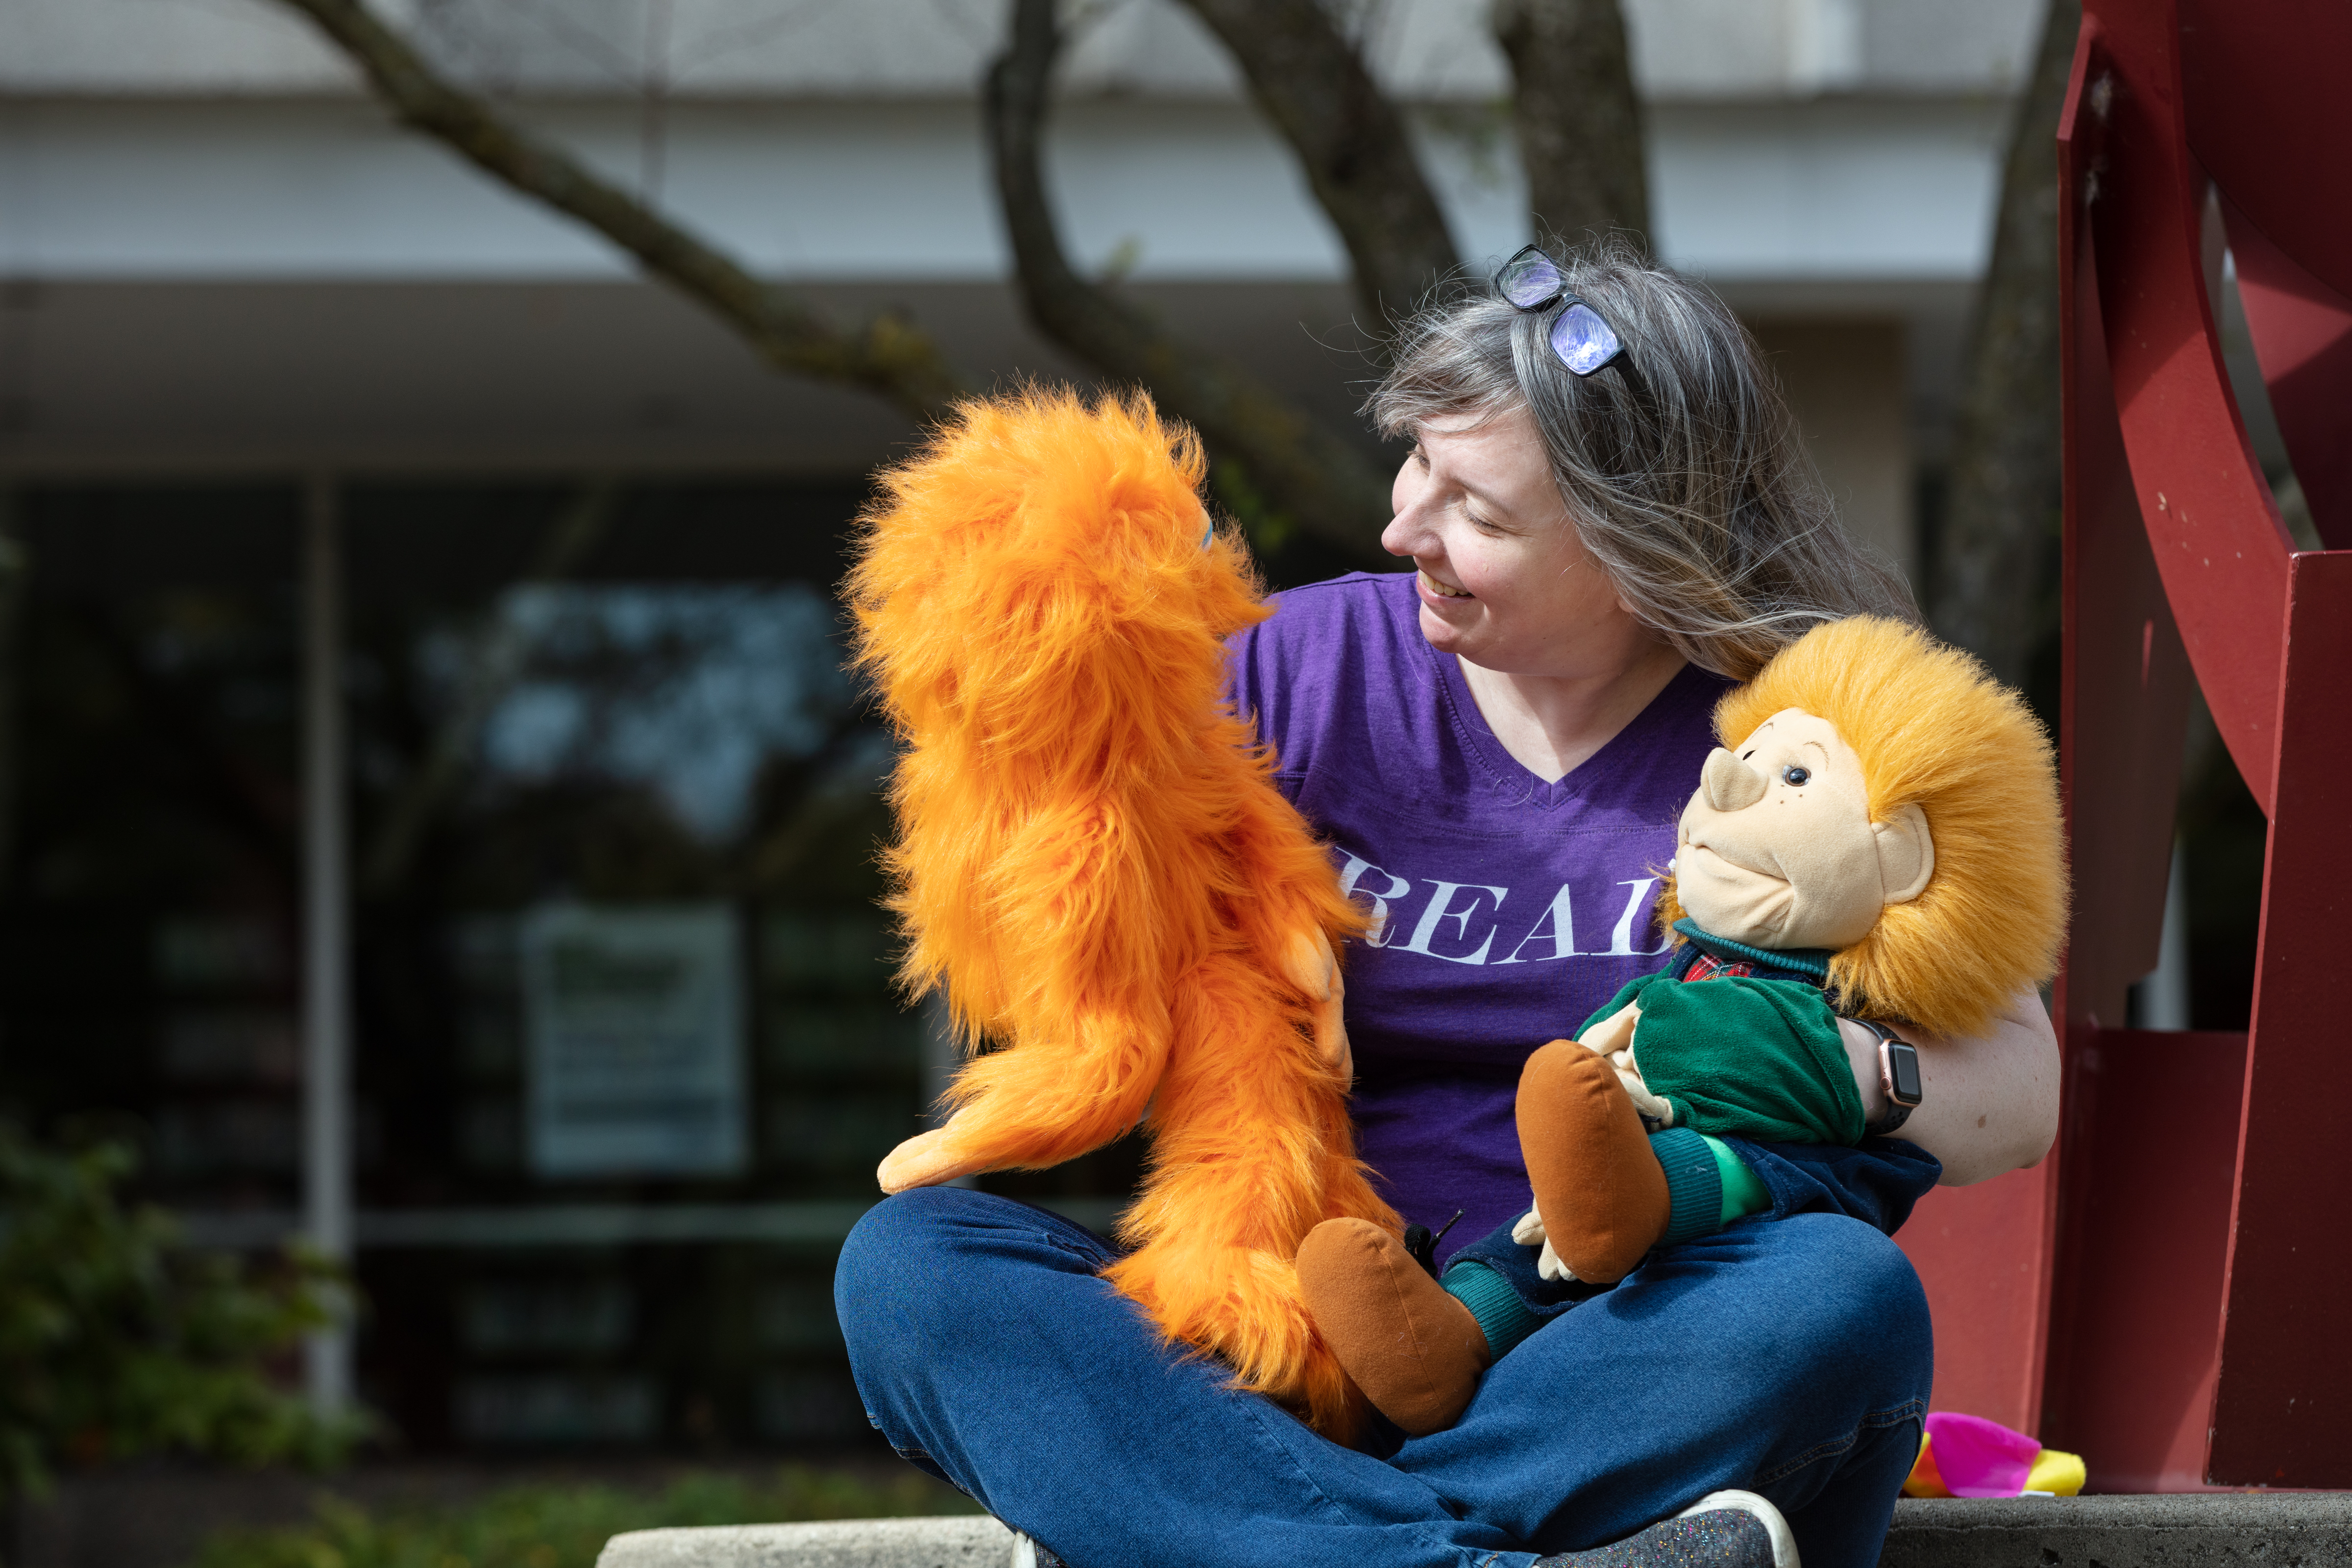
pixel 1094 862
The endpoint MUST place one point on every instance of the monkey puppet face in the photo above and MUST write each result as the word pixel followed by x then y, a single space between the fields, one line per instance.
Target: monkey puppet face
pixel 1777 848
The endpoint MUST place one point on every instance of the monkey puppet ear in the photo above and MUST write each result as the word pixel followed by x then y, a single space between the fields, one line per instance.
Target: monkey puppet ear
pixel 1906 854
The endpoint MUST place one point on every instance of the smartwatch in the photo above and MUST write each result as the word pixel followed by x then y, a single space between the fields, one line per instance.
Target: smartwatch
pixel 1898 1076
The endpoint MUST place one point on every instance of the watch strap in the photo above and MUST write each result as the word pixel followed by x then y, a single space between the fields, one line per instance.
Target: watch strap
pixel 1897 1113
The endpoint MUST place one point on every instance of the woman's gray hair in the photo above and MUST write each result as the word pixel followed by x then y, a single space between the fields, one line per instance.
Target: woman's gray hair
pixel 1688 481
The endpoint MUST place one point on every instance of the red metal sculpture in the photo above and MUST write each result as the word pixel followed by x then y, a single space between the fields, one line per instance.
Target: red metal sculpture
pixel 2170 1295
pixel 2197 1325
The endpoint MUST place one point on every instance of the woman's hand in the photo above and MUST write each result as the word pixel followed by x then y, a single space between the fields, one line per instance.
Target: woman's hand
pixel 1990 1103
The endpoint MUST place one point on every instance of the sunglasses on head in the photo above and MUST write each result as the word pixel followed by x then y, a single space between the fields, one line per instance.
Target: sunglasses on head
pixel 1531 280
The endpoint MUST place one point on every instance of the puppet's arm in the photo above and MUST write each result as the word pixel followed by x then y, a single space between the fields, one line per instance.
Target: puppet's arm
pixel 1031 1108
pixel 1991 1102
pixel 1051 1097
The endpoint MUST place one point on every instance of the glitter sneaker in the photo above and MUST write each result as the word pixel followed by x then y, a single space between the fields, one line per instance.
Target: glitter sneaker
pixel 1722 1529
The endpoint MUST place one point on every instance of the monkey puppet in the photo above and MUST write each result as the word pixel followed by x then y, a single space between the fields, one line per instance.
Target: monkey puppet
pixel 1881 838
pixel 1094 862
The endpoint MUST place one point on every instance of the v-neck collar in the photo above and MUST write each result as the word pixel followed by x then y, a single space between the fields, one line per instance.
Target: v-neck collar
pixel 1513 778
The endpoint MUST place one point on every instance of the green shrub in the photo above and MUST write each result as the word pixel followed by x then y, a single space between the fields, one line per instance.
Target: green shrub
pixel 565 1526
pixel 115 1340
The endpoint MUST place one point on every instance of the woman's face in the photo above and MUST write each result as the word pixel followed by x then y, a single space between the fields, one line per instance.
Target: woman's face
pixel 1504 581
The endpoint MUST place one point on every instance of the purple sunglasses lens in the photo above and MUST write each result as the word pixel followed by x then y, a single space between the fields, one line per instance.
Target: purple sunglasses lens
pixel 1582 339
pixel 1531 281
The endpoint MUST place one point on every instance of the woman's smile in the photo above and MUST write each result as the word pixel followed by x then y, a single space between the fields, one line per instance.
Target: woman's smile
pixel 1502 578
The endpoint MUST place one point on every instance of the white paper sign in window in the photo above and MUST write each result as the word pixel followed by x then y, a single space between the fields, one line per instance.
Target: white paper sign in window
pixel 634 1014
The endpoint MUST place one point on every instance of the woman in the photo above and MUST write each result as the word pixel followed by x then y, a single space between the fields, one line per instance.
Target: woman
pixel 1612 518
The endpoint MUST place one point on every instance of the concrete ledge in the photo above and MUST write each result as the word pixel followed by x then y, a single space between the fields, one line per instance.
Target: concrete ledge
pixel 2212 1530
pixel 956 1541
pixel 2208 1530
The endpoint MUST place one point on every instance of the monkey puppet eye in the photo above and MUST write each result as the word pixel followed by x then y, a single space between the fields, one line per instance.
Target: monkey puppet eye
pixel 1794 775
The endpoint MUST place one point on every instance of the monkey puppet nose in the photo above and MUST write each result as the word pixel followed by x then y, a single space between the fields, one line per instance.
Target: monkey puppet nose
pixel 1730 784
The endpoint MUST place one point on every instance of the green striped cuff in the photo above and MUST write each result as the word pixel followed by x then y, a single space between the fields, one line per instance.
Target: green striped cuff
pixel 1502 1317
pixel 1693 1183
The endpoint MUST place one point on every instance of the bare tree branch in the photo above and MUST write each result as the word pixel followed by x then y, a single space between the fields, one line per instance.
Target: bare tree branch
pixel 1309 79
pixel 1324 484
pixel 1991 590
pixel 888 355
pixel 1577 117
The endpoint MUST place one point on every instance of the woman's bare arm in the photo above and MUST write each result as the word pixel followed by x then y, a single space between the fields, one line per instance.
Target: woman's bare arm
pixel 1990 1103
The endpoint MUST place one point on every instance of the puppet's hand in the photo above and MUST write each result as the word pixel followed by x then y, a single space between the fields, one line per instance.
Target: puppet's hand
pixel 1310 965
pixel 926 1159
pixel 1614 1033
pixel 1527 1230
pixel 1655 1111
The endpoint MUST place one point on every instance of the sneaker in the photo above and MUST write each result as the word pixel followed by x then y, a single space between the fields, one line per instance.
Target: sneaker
pixel 1722 1529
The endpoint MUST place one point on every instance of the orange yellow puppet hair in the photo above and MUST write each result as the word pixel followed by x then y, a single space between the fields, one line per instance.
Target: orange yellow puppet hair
pixel 1934 729
pixel 1093 863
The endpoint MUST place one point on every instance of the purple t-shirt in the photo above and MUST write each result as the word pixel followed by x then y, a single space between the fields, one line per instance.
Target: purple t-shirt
pixel 1505 909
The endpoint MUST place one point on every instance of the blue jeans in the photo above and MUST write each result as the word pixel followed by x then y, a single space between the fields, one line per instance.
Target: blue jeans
pixel 1791 1356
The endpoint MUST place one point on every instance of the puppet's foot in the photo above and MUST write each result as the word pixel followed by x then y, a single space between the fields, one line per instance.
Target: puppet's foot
pixel 1415 1350
pixel 1600 1188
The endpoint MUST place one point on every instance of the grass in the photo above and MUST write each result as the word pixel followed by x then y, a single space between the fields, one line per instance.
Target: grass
pixel 564 1526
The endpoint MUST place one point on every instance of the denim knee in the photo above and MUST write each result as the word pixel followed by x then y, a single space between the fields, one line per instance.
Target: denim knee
pixel 921 1264
pixel 1877 1318
pixel 891 1277
pixel 886 1233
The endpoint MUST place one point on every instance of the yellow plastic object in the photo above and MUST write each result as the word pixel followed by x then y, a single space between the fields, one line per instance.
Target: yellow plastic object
pixel 2056 1472
pixel 2053 1471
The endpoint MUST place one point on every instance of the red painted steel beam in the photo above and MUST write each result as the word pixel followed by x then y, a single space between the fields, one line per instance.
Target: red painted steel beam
pixel 2125 672
pixel 2122 714
pixel 2147 1252
pixel 2267 118
pixel 2284 1413
pixel 2210 522
pixel 2260 77
pixel 2302 337
pixel 2197 1325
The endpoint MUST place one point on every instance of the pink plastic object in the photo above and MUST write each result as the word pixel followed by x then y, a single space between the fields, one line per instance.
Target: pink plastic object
pixel 1976 1457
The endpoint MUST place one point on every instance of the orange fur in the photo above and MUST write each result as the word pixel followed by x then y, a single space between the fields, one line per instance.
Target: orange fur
pixel 1933 730
pixel 1094 862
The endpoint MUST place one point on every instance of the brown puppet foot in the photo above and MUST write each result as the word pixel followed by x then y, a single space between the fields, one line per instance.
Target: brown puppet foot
pixel 1415 1350
pixel 1601 1191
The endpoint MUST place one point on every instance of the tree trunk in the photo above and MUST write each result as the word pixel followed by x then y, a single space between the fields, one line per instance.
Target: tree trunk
pixel 1308 473
pixel 1993 590
pixel 1309 79
pixel 1578 117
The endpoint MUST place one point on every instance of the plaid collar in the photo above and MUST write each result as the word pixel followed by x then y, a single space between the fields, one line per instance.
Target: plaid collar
pixel 1720 956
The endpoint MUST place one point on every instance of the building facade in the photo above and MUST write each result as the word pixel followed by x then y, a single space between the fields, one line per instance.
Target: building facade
pixel 332 471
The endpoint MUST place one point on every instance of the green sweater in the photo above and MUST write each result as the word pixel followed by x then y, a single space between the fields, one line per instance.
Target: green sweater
pixel 1742 1055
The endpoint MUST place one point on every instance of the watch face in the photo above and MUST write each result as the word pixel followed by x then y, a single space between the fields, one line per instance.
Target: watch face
pixel 1903 1084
